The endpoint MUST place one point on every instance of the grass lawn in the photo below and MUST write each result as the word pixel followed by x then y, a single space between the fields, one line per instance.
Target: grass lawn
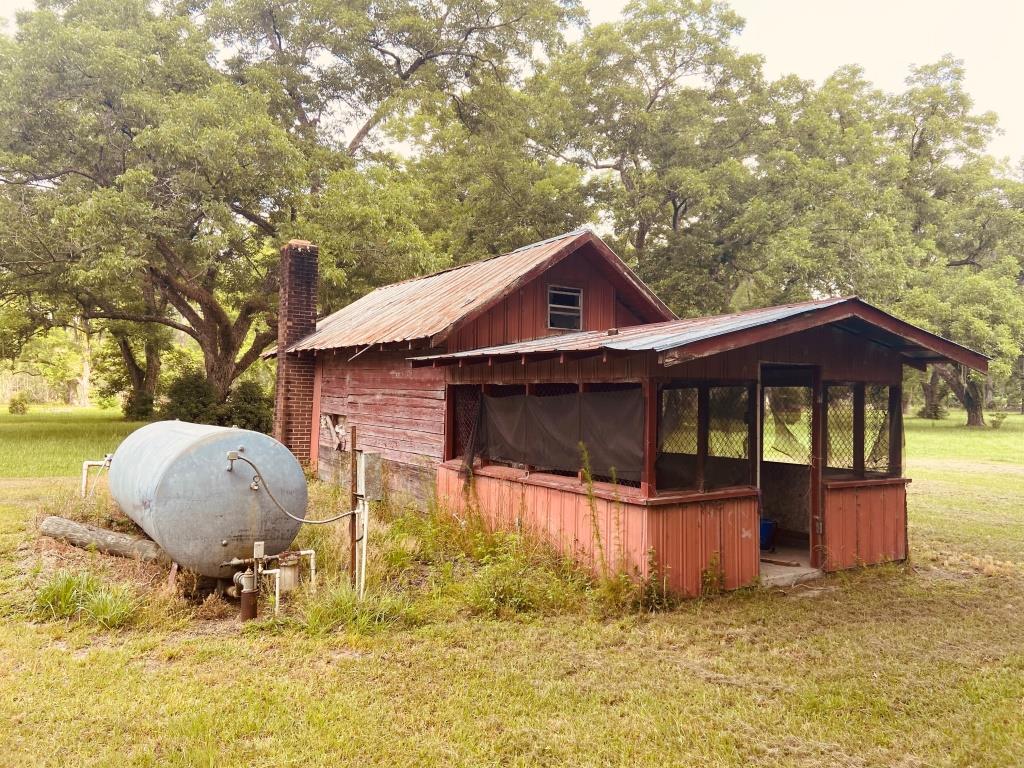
pixel 911 665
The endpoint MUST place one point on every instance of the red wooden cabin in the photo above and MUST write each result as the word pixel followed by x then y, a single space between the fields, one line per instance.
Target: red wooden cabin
pixel 482 382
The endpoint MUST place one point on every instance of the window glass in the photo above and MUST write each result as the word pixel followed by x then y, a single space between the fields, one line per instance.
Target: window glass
pixel 565 307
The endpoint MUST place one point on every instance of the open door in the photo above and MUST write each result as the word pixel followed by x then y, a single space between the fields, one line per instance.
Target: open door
pixel 786 476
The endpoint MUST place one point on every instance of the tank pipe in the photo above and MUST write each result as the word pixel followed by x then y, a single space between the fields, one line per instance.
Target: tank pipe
pixel 276 573
pixel 104 464
pixel 234 456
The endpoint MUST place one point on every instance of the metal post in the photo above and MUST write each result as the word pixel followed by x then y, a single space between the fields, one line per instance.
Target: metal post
pixel 353 500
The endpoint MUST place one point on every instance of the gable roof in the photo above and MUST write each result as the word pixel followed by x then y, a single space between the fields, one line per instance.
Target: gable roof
pixel 676 341
pixel 435 305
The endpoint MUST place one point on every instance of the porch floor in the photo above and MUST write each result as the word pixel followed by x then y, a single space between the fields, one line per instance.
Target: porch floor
pixel 775 574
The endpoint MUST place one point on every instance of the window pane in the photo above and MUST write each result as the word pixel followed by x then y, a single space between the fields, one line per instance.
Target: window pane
pixel 676 466
pixel 564 298
pixel 839 427
pixel 728 461
pixel 787 425
pixel 565 320
pixel 876 428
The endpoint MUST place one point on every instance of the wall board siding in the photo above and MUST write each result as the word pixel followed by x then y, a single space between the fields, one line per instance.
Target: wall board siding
pixel 865 524
pixel 841 355
pixel 523 314
pixel 684 539
pixel 398 411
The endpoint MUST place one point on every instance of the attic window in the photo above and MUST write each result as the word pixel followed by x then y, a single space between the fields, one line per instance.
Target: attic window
pixel 565 308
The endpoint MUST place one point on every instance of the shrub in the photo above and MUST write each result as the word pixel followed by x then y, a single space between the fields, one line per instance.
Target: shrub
pixel 248 406
pixel 138 406
pixel 18 404
pixel 190 397
pixel 995 420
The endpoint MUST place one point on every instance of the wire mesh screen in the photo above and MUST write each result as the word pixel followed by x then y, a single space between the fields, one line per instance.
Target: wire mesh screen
pixel 728 457
pixel 876 428
pixel 728 431
pixel 787 425
pixel 466 404
pixel 676 465
pixel 839 427
pixel 677 426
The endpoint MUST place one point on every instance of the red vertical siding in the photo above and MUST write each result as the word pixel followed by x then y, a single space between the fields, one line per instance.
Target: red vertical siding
pixel 523 314
pixel 690 538
pixel 865 523
pixel 685 538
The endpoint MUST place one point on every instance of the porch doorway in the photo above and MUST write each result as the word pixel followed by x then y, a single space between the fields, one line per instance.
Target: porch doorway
pixel 785 472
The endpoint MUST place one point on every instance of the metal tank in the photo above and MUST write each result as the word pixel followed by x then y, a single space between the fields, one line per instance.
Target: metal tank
pixel 172 478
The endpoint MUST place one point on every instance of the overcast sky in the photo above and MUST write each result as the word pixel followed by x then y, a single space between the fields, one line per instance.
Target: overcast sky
pixel 812 38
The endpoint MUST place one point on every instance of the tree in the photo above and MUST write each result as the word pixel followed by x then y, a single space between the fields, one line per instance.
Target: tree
pixel 342 71
pixel 139 182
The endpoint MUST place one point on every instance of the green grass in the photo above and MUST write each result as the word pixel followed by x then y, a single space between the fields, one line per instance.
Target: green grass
pixel 917 665
pixel 55 442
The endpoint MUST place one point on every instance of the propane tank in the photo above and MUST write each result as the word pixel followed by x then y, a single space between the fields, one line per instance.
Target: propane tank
pixel 174 480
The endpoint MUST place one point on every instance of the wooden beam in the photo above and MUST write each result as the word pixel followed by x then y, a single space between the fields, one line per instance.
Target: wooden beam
pixel 817 534
pixel 858 429
pixel 703 431
pixel 896 431
pixel 648 472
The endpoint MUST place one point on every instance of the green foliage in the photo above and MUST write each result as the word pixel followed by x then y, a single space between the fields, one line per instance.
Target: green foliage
pixel 249 407
pixel 138 406
pixel 18 404
pixel 70 595
pixel 65 594
pixel 336 607
pixel 191 397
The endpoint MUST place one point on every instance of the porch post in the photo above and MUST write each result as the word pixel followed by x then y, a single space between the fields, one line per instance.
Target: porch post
pixel 648 472
pixel 896 431
pixel 817 453
pixel 858 429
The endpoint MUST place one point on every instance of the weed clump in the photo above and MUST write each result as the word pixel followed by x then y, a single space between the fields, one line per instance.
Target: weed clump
pixel 338 607
pixel 71 595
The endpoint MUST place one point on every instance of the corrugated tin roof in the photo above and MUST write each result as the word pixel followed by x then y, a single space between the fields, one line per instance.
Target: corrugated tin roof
pixel 657 337
pixel 676 334
pixel 432 305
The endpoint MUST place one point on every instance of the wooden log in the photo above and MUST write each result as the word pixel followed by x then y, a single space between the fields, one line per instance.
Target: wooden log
pixel 110 543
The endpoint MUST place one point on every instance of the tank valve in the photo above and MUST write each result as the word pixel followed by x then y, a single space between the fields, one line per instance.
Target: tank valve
pixel 246 581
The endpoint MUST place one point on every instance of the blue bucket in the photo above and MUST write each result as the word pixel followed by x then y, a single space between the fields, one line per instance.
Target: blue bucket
pixel 767 534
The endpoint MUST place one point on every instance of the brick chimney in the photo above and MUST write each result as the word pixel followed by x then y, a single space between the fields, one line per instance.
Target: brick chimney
pixel 296 319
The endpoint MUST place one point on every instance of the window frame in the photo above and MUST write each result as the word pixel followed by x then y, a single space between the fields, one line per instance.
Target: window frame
pixel 564 310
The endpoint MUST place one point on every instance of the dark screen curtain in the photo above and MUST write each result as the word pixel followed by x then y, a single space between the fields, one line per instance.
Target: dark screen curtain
pixel 505 428
pixel 546 432
pixel 613 431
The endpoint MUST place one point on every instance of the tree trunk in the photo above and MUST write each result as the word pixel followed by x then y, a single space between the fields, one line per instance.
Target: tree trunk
pixel 969 390
pixel 974 403
pixel 108 542
pixel 932 391
pixel 143 378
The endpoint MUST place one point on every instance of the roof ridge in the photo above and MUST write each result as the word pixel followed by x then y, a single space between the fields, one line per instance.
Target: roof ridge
pixel 573 233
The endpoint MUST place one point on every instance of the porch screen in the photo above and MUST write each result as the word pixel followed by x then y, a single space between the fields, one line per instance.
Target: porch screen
pixel 544 431
pixel 876 428
pixel 676 466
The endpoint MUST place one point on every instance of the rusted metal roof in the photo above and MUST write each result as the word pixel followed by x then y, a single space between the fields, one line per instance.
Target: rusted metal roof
pixel 670 339
pixel 432 306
